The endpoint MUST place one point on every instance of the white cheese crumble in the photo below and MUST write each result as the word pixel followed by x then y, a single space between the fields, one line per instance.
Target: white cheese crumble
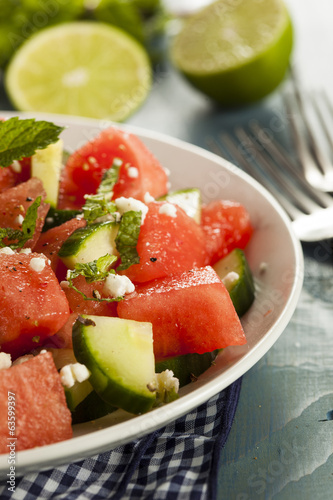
pixel 133 172
pixel 22 359
pixel 263 267
pixel 148 198
pixel 168 209
pixel 166 381
pixel 126 204
pixel 37 264
pixel 25 250
pixel 117 162
pixel 16 167
pixel 116 285
pixel 19 219
pixel 5 361
pixel 230 278
pixel 7 251
pixel 74 372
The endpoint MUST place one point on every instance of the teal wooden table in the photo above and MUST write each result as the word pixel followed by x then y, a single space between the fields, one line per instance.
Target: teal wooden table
pixel 281 444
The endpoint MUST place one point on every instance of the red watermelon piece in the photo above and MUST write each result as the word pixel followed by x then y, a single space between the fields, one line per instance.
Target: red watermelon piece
pixel 41 413
pixel 85 167
pixel 191 312
pixel 167 245
pixel 32 303
pixel 14 203
pixel 226 225
pixel 13 175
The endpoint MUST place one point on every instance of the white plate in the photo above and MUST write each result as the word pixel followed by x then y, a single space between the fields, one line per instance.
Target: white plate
pixel 273 243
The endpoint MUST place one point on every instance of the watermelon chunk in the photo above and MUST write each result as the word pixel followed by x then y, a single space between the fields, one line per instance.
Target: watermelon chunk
pixel 14 203
pixel 41 413
pixel 191 312
pixel 167 245
pixel 85 167
pixel 32 303
pixel 226 225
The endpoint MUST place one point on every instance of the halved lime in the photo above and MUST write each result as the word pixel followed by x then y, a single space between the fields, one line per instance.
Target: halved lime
pixel 235 51
pixel 80 68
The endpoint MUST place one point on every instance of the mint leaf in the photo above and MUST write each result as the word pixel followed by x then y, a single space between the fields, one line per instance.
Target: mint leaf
pixel 97 206
pixel 100 204
pixel 127 239
pixel 21 138
pixel 16 238
pixel 110 177
pixel 96 270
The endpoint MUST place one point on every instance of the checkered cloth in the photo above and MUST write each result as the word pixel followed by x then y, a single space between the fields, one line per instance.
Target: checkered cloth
pixel 177 462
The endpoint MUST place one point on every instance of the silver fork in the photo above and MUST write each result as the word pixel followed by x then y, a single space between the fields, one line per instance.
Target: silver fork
pixel 309 113
pixel 256 152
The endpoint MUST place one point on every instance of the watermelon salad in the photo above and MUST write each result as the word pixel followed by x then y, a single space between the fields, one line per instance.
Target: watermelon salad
pixel 115 289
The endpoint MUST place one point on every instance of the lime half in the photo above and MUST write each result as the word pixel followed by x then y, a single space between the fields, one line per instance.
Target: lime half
pixel 80 68
pixel 235 51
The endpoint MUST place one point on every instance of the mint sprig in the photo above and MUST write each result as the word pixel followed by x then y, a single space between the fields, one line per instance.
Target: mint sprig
pixel 21 138
pixel 16 238
pixel 100 204
pixel 96 270
pixel 127 239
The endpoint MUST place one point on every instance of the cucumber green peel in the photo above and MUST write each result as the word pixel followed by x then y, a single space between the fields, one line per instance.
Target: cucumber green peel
pixel 235 273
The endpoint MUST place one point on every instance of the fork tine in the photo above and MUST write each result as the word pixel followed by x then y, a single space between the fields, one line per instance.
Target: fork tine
pixel 323 122
pixel 240 159
pixel 281 156
pixel 304 202
pixel 322 161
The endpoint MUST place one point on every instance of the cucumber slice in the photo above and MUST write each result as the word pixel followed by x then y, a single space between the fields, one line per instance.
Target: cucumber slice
pixel 187 199
pixel 188 366
pixel 46 164
pixel 235 273
pixel 91 408
pixel 89 243
pixel 119 355
pixel 77 393
pixel 55 217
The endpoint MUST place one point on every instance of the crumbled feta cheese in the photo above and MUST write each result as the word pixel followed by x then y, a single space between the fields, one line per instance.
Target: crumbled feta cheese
pixel 166 381
pixel 230 278
pixel 37 264
pixel 16 167
pixel 117 162
pixel 133 172
pixel 5 361
pixel 126 204
pixel 25 250
pixel 7 251
pixel 168 209
pixel 263 267
pixel 22 359
pixel 148 198
pixel 166 170
pixel 19 219
pixel 74 372
pixel 116 285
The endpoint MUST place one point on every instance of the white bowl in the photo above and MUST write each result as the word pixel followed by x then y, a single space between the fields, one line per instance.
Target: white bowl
pixel 275 257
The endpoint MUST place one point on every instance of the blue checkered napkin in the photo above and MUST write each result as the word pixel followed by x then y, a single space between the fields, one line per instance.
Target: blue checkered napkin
pixel 177 462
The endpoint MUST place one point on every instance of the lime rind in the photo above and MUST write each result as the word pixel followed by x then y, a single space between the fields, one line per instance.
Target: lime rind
pixel 239 58
pixel 80 68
